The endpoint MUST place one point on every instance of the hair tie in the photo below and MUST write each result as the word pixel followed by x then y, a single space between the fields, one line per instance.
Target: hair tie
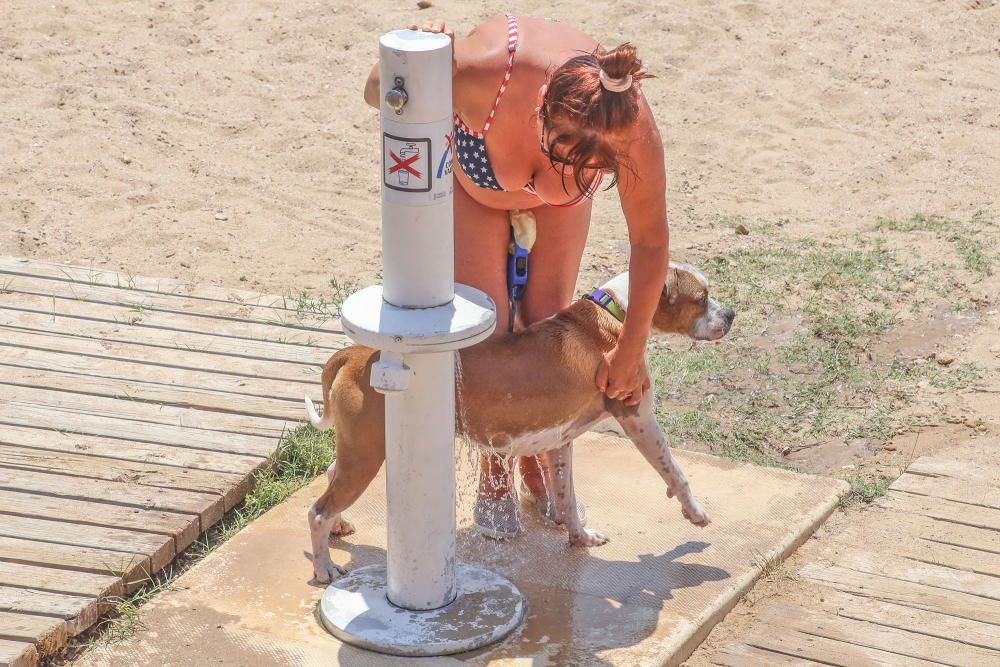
pixel 615 85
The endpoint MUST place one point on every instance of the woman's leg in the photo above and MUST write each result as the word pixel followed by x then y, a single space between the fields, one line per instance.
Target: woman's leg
pixel 553 267
pixel 481 238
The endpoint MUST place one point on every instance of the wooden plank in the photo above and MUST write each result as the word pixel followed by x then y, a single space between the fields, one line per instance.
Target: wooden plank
pixel 948 555
pixel 944 510
pixel 54 580
pixel 209 507
pixel 281 310
pixel 47 632
pixel 932 466
pixel 169 348
pixel 832 651
pixel 141 319
pixel 147 474
pixel 176 367
pixel 906 593
pixel 741 655
pixel 114 449
pixel 190 398
pixel 962 491
pixel 182 528
pixel 15 653
pixel 132 567
pixel 78 612
pixel 874 636
pixel 158 548
pixel 915 528
pixel 12 398
pixel 926 574
pixel 85 423
pixel 890 615
pixel 109 278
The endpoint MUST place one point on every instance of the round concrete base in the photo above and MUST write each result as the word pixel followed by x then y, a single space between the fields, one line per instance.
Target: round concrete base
pixel 356 610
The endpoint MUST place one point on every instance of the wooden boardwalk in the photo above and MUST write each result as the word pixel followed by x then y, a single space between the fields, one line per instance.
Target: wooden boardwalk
pixel 132 414
pixel 915 583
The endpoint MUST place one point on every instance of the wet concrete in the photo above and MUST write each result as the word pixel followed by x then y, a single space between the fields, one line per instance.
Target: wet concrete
pixel 647 597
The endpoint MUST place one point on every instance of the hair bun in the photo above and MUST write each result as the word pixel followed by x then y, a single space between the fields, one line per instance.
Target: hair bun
pixel 621 62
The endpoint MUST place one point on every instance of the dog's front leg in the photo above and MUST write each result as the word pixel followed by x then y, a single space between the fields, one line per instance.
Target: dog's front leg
pixel 559 480
pixel 640 425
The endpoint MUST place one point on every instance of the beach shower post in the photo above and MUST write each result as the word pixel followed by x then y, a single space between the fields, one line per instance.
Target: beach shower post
pixel 421 602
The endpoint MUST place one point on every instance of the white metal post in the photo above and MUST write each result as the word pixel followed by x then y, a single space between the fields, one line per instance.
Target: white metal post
pixel 420 484
pixel 421 602
pixel 418 259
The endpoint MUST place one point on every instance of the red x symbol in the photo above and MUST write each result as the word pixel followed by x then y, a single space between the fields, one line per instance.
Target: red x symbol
pixel 404 164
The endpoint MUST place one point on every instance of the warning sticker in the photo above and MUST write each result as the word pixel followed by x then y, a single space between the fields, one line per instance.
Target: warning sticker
pixel 406 163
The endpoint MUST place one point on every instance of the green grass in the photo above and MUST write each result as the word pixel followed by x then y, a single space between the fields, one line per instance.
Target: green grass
pixel 973 240
pixel 328 305
pixel 863 491
pixel 125 619
pixel 300 457
pixel 751 397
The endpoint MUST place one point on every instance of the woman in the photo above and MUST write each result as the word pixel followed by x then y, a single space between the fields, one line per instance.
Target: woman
pixel 542 115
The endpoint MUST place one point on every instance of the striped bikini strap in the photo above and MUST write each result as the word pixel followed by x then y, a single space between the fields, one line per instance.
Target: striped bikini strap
pixel 511 49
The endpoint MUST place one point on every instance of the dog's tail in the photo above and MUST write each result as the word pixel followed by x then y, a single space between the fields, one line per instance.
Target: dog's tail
pixel 330 371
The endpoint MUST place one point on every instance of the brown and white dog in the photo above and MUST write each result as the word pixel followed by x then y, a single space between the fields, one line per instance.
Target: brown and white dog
pixel 523 393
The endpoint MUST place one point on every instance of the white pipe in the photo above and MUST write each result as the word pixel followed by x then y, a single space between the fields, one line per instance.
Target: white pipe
pixel 420 484
pixel 417 239
pixel 418 266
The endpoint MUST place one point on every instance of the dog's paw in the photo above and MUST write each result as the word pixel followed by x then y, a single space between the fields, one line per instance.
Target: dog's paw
pixel 324 573
pixel 696 514
pixel 588 538
pixel 341 528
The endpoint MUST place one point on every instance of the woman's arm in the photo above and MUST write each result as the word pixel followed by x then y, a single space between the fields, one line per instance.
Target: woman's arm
pixel 372 84
pixel 643 200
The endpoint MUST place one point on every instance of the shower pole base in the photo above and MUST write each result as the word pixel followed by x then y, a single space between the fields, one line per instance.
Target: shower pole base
pixel 356 610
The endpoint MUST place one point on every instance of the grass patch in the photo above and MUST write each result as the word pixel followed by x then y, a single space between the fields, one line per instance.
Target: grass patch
pixel 300 457
pixel 327 305
pixel 970 240
pixel 827 375
pixel 864 491
pixel 124 619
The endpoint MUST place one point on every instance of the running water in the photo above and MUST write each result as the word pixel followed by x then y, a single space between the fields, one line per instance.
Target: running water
pixel 467 454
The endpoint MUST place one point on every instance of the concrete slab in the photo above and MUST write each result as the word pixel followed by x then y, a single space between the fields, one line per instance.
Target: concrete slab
pixel 646 598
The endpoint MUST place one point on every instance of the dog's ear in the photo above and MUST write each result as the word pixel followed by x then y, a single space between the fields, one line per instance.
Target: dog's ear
pixel 670 289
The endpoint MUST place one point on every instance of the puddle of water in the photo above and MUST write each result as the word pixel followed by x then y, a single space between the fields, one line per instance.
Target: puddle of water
pixel 830 457
pixel 920 338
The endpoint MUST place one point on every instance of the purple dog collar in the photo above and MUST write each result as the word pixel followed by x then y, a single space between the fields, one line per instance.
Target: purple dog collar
pixel 607 302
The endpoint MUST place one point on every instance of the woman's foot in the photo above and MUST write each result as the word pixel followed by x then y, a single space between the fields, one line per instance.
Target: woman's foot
pixel 496 512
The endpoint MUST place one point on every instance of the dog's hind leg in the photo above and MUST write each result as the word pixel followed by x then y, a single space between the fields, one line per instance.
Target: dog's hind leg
pixel 348 477
pixel 640 425
pixel 559 479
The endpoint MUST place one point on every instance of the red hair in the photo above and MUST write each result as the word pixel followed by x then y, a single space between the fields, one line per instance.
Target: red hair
pixel 592 112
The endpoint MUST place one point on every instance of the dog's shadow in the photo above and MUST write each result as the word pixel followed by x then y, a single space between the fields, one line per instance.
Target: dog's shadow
pixel 579 604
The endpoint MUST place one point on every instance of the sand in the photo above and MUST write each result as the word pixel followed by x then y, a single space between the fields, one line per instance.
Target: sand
pixel 228 142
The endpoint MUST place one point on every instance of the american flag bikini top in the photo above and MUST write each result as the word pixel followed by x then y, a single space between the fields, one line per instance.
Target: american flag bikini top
pixel 470 145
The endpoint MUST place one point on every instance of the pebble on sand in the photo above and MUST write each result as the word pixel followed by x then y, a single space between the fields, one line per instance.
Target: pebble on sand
pixel 944 358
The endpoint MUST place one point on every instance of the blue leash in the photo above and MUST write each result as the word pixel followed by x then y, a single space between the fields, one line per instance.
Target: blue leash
pixel 517 275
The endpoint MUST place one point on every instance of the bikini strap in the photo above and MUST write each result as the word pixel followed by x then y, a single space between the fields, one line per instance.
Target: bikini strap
pixel 511 49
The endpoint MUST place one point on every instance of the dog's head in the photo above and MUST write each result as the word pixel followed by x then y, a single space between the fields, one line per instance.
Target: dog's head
pixel 686 308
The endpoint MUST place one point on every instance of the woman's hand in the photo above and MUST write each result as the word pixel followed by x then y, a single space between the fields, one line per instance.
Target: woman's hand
pixel 623 375
pixel 434 25
pixel 437 25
